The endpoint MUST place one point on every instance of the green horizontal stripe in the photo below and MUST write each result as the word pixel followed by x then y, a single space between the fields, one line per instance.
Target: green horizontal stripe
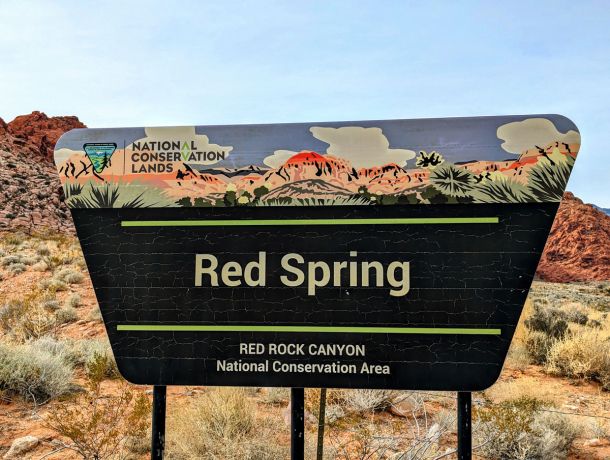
pixel 253 222
pixel 323 329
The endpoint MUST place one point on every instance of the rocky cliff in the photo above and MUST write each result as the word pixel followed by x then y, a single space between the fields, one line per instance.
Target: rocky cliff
pixel 30 191
pixel 578 248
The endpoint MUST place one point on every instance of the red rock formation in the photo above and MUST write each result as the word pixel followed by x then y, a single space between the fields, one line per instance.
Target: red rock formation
pixel 578 248
pixel 39 133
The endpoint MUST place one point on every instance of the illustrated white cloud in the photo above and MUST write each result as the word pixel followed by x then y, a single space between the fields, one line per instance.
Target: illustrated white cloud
pixel 519 136
pixel 278 158
pixel 184 134
pixel 362 147
pixel 64 153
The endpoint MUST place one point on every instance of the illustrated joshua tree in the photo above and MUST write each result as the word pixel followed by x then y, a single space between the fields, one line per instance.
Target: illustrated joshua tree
pixel 429 160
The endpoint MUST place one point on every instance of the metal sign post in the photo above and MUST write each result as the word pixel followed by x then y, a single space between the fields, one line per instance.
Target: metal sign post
pixel 464 422
pixel 297 423
pixel 158 422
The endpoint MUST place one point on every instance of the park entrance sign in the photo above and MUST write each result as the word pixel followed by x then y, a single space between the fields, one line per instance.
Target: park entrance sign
pixel 368 254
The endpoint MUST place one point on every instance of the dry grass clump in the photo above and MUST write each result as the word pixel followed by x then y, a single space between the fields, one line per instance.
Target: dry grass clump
pixel 66 315
pixel 33 373
pixel 276 395
pixel 570 338
pixel 582 354
pixel 69 276
pixel 26 318
pixel 521 429
pixel 220 425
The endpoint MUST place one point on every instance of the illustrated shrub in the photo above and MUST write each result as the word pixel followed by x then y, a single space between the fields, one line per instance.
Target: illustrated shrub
pixel 429 160
pixel 451 180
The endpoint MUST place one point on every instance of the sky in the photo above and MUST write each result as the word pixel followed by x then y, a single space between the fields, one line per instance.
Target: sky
pixel 129 63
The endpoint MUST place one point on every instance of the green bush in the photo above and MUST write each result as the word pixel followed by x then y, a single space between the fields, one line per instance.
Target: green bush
pixel 550 320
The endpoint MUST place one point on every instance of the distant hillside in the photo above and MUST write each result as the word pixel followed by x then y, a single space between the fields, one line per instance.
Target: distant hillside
pixel 604 210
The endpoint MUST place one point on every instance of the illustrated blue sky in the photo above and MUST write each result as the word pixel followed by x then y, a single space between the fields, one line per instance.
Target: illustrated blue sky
pixel 153 63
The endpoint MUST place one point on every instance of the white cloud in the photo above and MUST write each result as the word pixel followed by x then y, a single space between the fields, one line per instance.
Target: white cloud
pixel 519 136
pixel 185 134
pixel 362 147
pixel 278 158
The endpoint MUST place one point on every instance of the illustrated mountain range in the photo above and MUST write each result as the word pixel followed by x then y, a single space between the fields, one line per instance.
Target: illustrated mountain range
pixel 536 174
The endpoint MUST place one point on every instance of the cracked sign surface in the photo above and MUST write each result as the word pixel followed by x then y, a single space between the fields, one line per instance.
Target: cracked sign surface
pixel 369 254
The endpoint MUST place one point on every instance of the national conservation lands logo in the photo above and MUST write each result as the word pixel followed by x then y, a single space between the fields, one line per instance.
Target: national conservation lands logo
pixel 99 155
pixel 161 156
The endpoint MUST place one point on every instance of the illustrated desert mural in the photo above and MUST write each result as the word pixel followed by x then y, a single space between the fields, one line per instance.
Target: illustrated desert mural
pixel 356 163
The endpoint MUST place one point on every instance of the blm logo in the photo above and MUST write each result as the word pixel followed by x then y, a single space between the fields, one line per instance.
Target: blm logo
pixel 99 155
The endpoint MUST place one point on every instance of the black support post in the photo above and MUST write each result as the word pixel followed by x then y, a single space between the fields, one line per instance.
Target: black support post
pixel 297 424
pixel 158 423
pixel 464 422
pixel 321 423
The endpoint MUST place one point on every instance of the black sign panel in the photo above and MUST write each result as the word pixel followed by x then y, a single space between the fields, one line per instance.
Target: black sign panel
pixel 413 279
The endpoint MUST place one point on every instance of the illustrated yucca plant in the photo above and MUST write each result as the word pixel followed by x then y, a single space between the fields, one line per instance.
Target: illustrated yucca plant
pixel 547 180
pixel 118 195
pixel 501 190
pixel 72 189
pixel 452 181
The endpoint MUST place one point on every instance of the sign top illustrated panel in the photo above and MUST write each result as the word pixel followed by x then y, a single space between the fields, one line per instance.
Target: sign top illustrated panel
pixel 507 159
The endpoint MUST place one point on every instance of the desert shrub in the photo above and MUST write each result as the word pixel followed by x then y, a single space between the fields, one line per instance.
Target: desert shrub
pixel 96 357
pixel 69 276
pixel 100 426
pixel 11 260
pixel 74 300
pixel 43 250
pixel 33 373
pixel 66 315
pixel 95 314
pixel 40 266
pixel 51 304
pixel 25 319
pixel 275 395
pixel 555 434
pixel 53 285
pixel 576 315
pixel 583 354
pixel 220 424
pixel 17 268
pixel 538 344
pixel 48 344
pixel 369 400
pixel 102 366
pixel 521 429
pixel 550 320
